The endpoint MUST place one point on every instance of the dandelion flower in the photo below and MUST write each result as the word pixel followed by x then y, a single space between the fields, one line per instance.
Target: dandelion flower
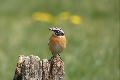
pixel 75 19
pixel 41 16
pixel 64 15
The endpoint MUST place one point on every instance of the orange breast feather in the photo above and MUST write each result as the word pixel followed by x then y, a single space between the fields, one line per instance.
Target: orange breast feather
pixel 57 44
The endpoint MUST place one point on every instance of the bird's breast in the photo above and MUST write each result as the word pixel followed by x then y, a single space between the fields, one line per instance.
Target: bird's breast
pixel 57 44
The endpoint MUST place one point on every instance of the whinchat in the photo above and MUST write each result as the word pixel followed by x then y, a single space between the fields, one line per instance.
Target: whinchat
pixel 57 41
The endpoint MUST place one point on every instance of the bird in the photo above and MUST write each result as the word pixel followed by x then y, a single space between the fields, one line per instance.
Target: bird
pixel 57 41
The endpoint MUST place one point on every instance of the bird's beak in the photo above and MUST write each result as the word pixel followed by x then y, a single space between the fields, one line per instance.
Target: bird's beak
pixel 50 29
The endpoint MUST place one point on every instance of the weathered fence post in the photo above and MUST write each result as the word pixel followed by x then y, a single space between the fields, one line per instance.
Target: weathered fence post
pixel 32 68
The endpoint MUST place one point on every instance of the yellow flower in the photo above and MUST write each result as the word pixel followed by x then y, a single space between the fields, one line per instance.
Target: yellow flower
pixel 41 16
pixel 75 19
pixel 64 15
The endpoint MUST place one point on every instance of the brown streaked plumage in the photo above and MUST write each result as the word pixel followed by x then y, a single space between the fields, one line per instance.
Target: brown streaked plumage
pixel 57 41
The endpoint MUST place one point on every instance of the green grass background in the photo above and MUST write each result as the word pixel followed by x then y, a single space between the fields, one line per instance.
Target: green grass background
pixel 92 51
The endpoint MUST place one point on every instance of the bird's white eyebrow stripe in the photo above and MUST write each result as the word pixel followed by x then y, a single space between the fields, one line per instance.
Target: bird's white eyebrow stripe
pixel 58 29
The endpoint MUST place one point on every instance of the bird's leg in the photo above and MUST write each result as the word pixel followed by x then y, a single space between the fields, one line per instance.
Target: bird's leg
pixel 60 57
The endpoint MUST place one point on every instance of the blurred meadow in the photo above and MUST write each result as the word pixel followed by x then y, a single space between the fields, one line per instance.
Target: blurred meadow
pixel 91 27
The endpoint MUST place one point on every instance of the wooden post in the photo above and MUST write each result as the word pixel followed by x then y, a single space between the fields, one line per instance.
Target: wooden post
pixel 32 68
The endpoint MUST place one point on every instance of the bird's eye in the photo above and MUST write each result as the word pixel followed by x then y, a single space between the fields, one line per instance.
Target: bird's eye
pixel 58 31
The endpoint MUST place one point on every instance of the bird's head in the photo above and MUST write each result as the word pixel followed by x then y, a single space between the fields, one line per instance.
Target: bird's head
pixel 57 31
